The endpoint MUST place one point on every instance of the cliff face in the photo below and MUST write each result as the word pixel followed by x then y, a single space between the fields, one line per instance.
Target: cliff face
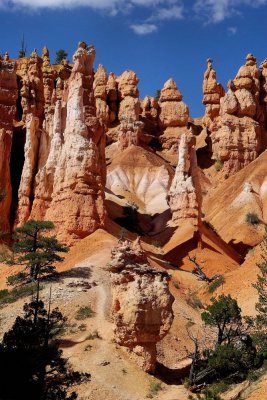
pixel 63 171
pixel 8 97
pixel 142 303
pixel 55 120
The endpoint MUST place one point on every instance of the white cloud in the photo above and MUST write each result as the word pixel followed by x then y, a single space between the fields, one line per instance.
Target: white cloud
pixel 210 11
pixel 215 11
pixel 96 4
pixel 144 29
pixel 173 12
pixel 232 30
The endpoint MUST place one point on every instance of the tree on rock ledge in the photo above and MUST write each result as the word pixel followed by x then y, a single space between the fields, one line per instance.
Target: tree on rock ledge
pixel 60 56
pixel 38 253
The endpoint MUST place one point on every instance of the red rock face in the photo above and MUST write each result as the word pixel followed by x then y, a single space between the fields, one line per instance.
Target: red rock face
pixel 142 303
pixel 8 97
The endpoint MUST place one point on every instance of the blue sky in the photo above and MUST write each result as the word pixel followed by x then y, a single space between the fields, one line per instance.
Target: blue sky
pixel 158 39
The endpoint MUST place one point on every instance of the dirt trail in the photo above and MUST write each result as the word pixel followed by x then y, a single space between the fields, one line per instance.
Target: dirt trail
pixel 114 375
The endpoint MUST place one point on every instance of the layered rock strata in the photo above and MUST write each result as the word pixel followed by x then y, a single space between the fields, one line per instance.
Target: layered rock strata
pixel 142 303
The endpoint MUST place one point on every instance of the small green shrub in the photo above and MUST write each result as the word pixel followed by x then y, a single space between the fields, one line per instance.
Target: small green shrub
pixel 252 218
pixel 82 327
pixel 16 279
pixel 84 313
pixel 154 388
pixel 88 348
pixel 194 301
pixel 10 296
pixel 216 284
pixel 218 165
pixel 4 294
pixel 219 387
pixel 253 375
pixel 93 335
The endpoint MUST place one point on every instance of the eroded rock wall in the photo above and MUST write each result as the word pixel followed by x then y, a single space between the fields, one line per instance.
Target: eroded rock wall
pixel 8 98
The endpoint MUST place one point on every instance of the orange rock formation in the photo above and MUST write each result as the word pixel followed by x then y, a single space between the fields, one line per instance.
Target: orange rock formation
pixel 142 303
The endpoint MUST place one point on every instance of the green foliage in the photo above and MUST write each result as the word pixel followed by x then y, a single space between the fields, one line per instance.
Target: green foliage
pixel 252 218
pixel 23 48
pixel 219 387
pixel 154 388
pixel 82 327
pixel 84 313
pixel 225 360
pixel 259 323
pixel 93 335
pixel 216 284
pixel 157 94
pixel 60 56
pixel 194 301
pixel 16 278
pixel 218 165
pixel 10 296
pixel 31 363
pixel 224 314
pixel 36 252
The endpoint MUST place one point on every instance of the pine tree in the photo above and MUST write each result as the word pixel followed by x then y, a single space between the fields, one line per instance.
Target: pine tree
pixel 31 363
pixel 224 314
pixel 23 48
pixel 36 252
pixel 259 323
pixel 60 56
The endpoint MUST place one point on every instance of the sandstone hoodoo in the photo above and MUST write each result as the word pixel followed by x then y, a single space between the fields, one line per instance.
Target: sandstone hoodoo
pixel 100 93
pixel 173 111
pixel 237 134
pixel 142 303
pixel 63 170
pixel 77 197
pixel 212 93
pixel 185 196
pixel 173 117
pixel 87 162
